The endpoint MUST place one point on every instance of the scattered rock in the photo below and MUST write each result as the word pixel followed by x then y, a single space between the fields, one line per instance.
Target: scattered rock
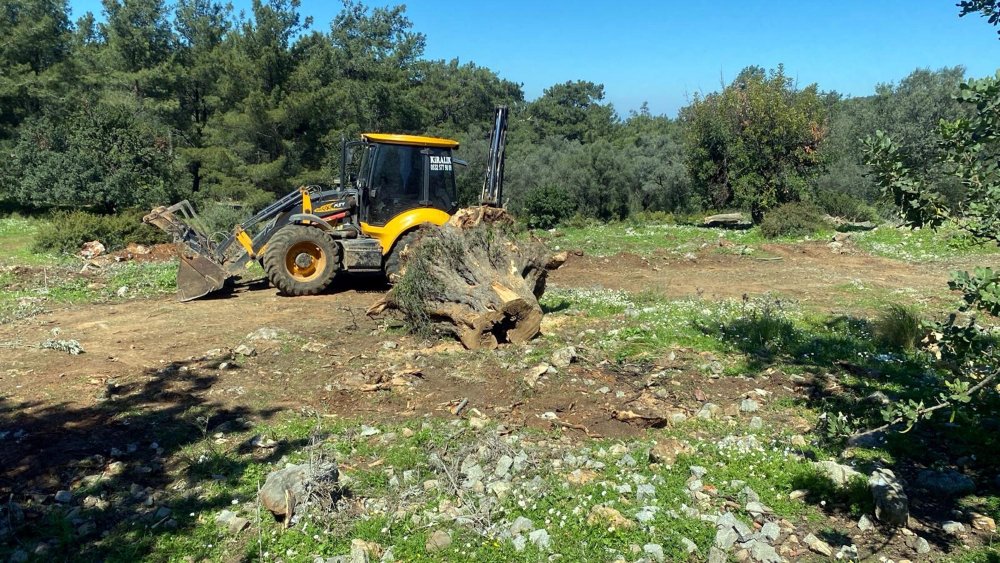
pixel 756 423
pixel 708 411
pixel 531 378
pixel 730 530
pixel 764 553
pixel 438 541
pixel 92 249
pixel 581 476
pixel 63 497
pixel 982 522
pixel 797 494
pixel 716 555
pixel 521 525
pixel 666 451
pixel 953 528
pixel 540 538
pixel 749 405
pixel 841 475
pixel 363 551
pixel 864 524
pixel 771 531
pixel 245 350
pixel 946 484
pixel 918 544
pixel 848 553
pixel 263 333
pixel 71 347
pixel 817 545
pixel 601 515
pixel 891 503
pixel 563 357
pixel 655 551
pixel 286 488
pixel 689 546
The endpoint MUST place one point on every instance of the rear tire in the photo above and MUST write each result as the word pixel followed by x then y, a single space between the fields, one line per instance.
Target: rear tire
pixel 393 261
pixel 301 260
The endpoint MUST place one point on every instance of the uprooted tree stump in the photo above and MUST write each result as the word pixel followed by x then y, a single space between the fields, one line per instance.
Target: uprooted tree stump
pixel 471 278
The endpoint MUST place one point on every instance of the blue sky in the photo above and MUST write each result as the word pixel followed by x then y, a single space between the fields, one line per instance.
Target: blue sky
pixel 663 52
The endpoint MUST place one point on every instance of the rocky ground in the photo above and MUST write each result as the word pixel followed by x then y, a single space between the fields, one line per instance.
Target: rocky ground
pixel 670 411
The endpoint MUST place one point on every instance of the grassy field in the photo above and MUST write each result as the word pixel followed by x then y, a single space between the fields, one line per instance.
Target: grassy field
pixel 702 407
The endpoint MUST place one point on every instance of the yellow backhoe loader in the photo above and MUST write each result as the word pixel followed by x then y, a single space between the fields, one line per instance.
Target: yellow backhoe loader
pixel 306 238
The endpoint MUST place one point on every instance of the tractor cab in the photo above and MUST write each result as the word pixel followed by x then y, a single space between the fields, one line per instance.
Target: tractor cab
pixel 403 172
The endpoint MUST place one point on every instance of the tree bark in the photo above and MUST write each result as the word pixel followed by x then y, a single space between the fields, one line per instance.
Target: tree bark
pixel 472 279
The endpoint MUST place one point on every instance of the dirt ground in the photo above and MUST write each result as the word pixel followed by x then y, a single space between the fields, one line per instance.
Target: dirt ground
pixel 160 354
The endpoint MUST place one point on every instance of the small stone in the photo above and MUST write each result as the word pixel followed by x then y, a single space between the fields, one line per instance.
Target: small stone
pixel 918 544
pixel 666 451
pixel 756 423
pixel 716 555
pixel 708 411
pixel 519 543
pixel 63 497
pixel 864 524
pixel 749 405
pixel 581 476
pixel 841 475
pixel 848 552
pixel 438 541
pixel 521 525
pixel 646 514
pixel 431 485
pixel 983 522
pixel 764 553
pixel 607 516
pixel 540 538
pixel 689 545
pixel 953 528
pixel 245 350
pixel 564 357
pixel 655 551
pixel 503 466
pixel 771 531
pixel 697 471
pixel 645 491
pixel 238 524
pixel 797 494
pixel 478 422
pixel 891 503
pixel 499 488
pixel 817 545
pixel 161 513
pixel 799 441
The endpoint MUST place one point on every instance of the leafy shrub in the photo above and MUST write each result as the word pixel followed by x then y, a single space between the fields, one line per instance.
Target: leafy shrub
pixel 899 328
pixel 67 231
pixel 840 204
pixel 792 220
pixel 545 207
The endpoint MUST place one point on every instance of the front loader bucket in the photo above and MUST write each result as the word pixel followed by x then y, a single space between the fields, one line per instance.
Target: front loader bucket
pixel 198 276
pixel 201 271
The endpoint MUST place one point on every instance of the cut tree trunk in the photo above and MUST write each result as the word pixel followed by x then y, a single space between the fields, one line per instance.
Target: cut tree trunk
pixel 472 279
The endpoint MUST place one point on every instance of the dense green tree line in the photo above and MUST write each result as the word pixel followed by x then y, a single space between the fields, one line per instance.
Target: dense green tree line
pixel 152 102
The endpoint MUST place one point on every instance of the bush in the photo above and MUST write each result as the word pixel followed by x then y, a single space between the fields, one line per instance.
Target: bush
pixel 545 207
pixel 840 204
pixel 899 328
pixel 67 231
pixel 793 220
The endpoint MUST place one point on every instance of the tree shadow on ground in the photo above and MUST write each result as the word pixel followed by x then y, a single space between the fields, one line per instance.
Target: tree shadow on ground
pixel 850 377
pixel 117 457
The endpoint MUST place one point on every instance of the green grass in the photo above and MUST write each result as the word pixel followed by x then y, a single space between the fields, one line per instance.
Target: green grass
pixel 645 239
pixel 923 245
pixel 402 515
pixel 17 236
pixel 30 281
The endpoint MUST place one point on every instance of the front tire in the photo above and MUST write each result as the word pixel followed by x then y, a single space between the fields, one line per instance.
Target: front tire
pixel 301 260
